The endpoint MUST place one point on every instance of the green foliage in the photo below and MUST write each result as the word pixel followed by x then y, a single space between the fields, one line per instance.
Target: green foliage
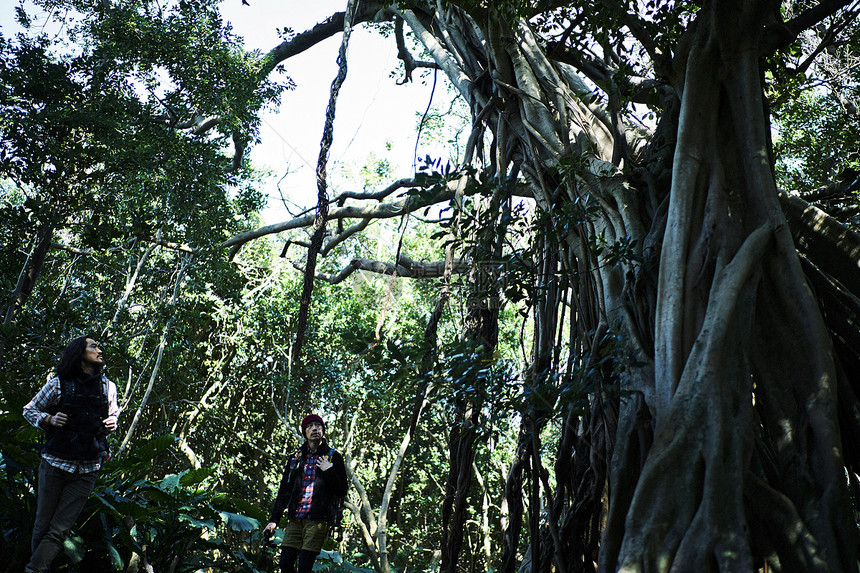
pixel 93 158
pixel 178 520
pixel 812 91
pixel 175 518
pixel 814 135
pixel 19 462
pixel 90 139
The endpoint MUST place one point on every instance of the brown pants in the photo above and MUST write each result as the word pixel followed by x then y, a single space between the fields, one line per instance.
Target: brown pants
pixel 61 498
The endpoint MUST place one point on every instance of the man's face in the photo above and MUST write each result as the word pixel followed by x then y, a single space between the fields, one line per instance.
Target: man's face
pixel 314 431
pixel 93 353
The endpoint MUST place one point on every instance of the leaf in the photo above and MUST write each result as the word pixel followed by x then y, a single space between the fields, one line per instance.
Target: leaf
pixel 108 505
pixel 170 482
pixel 74 548
pixel 198 523
pixel 140 457
pixel 226 503
pixel 238 522
pixel 116 560
pixel 329 558
pixel 194 477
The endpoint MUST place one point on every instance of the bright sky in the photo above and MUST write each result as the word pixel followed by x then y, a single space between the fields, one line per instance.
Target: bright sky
pixel 371 109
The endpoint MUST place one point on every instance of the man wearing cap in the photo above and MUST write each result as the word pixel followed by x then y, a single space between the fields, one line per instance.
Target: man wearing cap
pixel 313 480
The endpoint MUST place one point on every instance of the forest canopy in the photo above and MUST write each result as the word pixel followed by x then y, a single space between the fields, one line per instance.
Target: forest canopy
pixel 613 328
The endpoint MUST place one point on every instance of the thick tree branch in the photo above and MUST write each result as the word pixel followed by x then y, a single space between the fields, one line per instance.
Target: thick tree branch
pixel 781 34
pixel 813 16
pixel 329 27
pixel 409 63
pixel 405 268
pixel 444 59
pixel 332 243
pixel 639 29
pixel 166 244
pixel 347 233
pixel 383 211
pixel 377 195
pixel 196 126
pixel 834 248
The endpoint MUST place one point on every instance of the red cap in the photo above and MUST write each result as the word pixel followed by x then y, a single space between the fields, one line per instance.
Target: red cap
pixel 311 418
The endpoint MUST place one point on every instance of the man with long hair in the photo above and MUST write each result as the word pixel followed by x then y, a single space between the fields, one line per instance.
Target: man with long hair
pixel 77 409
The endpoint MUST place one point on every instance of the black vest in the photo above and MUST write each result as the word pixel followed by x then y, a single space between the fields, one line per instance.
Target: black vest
pixel 84 436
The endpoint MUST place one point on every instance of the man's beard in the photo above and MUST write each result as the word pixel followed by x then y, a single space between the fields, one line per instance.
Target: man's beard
pixel 96 367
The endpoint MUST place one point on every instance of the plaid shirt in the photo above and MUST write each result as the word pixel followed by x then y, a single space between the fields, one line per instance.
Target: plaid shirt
pixel 49 396
pixel 309 474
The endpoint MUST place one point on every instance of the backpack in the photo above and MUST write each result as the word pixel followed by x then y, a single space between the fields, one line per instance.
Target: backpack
pixel 337 504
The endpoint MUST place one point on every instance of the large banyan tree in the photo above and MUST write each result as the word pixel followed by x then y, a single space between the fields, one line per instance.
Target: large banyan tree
pixel 703 319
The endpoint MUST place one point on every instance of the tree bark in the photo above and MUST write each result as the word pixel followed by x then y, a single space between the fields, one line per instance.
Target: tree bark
pixel 730 307
pixel 28 278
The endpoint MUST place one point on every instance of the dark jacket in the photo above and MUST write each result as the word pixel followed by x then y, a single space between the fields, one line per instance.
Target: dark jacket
pixel 84 436
pixel 328 486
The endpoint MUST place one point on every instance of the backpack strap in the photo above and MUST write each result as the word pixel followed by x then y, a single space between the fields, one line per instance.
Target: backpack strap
pixel 336 506
pixel 296 455
pixel 330 455
pixel 67 390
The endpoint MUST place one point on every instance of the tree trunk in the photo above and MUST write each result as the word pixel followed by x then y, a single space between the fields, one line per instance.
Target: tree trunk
pixel 454 506
pixel 28 278
pixel 382 521
pixel 741 351
pixel 485 530
pixel 514 498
